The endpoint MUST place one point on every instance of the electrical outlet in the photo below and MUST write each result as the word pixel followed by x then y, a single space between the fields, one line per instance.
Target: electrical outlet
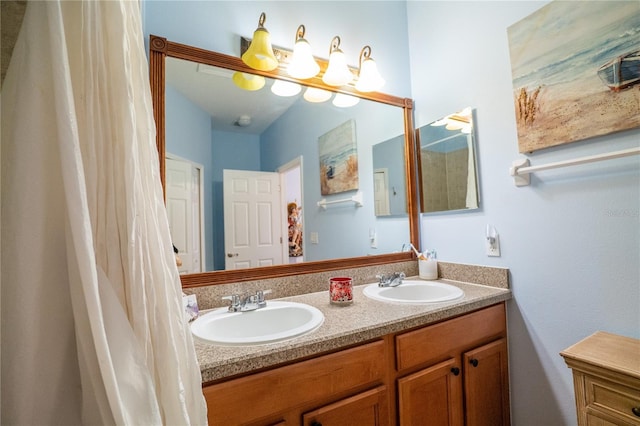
pixel 493 246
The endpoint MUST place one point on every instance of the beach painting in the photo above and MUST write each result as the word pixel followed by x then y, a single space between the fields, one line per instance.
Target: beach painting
pixel 338 154
pixel 575 70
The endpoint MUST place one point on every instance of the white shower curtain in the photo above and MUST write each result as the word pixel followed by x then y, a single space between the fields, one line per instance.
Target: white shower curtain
pixel 92 322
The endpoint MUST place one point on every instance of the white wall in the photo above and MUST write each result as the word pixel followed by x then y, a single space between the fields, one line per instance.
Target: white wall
pixel 571 240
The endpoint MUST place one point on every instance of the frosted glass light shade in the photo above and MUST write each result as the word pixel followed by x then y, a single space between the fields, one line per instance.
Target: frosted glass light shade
pixel 260 55
pixel 302 64
pixel 337 73
pixel 316 95
pixel 345 101
pixel 369 79
pixel 285 88
pixel 454 125
pixel 248 81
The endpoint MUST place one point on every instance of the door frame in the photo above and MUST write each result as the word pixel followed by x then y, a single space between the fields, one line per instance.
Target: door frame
pixel 203 266
pixel 297 162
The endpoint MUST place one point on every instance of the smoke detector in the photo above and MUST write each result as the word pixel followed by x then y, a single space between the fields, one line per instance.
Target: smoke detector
pixel 243 121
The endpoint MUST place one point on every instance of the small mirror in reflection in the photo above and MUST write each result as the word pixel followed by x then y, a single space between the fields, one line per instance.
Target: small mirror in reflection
pixel 448 175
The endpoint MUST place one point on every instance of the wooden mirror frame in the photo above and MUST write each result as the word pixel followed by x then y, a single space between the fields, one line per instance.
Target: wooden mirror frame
pixel 160 48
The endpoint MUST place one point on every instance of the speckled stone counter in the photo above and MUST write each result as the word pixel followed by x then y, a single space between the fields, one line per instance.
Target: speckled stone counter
pixel 363 320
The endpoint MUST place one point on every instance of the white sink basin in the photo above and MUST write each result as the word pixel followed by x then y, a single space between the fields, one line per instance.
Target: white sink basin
pixel 277 321
pixel 414 292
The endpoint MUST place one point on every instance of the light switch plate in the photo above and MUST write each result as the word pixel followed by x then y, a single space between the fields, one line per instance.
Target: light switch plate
pixel 313 237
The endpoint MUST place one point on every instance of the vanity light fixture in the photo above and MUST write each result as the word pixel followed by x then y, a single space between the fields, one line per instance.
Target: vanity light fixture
pixel 456 124
pixel 369 79
pixel 260 55
pixel 460 121
pixel 315 95
pixel 248 81
pixel 302 64
pixel 457 121
pixel 337 73
pixel 441 122
pixel 285 88
pixel 345 101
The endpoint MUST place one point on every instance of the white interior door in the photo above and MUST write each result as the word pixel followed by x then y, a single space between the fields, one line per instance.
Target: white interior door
pixel 381 192
pixel 252 219
pixel 184 211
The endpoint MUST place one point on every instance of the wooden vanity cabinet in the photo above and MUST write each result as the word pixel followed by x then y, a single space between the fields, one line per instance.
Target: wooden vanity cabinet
pixel 462 373
pixel 346 384
pixel 450 373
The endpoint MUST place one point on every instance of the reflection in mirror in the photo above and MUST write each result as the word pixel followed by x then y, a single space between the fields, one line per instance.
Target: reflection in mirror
pixel 390 196
pixel 342 231
pixel 447 166
pixel 213 123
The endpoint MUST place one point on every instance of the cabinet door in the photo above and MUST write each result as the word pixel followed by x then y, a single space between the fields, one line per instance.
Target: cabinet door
pixel 432 396
pixel 486 384
pixel 366 408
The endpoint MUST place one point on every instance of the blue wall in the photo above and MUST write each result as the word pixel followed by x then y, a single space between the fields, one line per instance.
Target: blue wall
pixel 390 155
pixel 218 25
pixel 571 240
pixel 187 122
pixel 226 146
pixel 215 151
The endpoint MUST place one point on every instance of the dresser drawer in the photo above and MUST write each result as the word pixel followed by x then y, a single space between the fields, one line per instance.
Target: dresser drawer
pixel 443 340
pixel 612 399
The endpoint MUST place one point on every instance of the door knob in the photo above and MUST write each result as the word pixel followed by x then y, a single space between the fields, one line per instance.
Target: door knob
pixel 232 254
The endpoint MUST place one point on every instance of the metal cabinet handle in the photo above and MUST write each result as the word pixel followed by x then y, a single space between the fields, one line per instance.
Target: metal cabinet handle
pixel 473 362
pixel 455 371
pixel 636 411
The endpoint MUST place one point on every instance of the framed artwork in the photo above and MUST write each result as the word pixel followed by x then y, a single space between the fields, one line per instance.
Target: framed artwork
pixel 338 154
pixel 575 70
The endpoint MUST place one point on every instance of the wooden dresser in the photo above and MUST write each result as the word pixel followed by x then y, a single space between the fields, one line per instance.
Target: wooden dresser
pixel 606 377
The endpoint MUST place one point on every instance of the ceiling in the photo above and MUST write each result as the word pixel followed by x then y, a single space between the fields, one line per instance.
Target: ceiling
pixel 212 89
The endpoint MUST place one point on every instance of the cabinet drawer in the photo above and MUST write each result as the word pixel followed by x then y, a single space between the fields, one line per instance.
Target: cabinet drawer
pixel 260 395
pixel 444 339
pixel 612 400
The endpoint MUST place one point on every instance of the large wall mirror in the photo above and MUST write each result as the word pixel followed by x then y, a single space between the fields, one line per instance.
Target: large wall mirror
pixel 216 137
pixel 448 164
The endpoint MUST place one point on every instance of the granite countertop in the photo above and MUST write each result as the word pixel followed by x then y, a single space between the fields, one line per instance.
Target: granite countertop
pixel 365 319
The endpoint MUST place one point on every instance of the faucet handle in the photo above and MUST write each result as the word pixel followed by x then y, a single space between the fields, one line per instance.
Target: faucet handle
pixel 260 295
pixel 235 302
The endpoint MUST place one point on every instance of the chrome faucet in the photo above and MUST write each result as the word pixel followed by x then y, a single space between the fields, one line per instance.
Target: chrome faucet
pixel 392 280
pixel 247 303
